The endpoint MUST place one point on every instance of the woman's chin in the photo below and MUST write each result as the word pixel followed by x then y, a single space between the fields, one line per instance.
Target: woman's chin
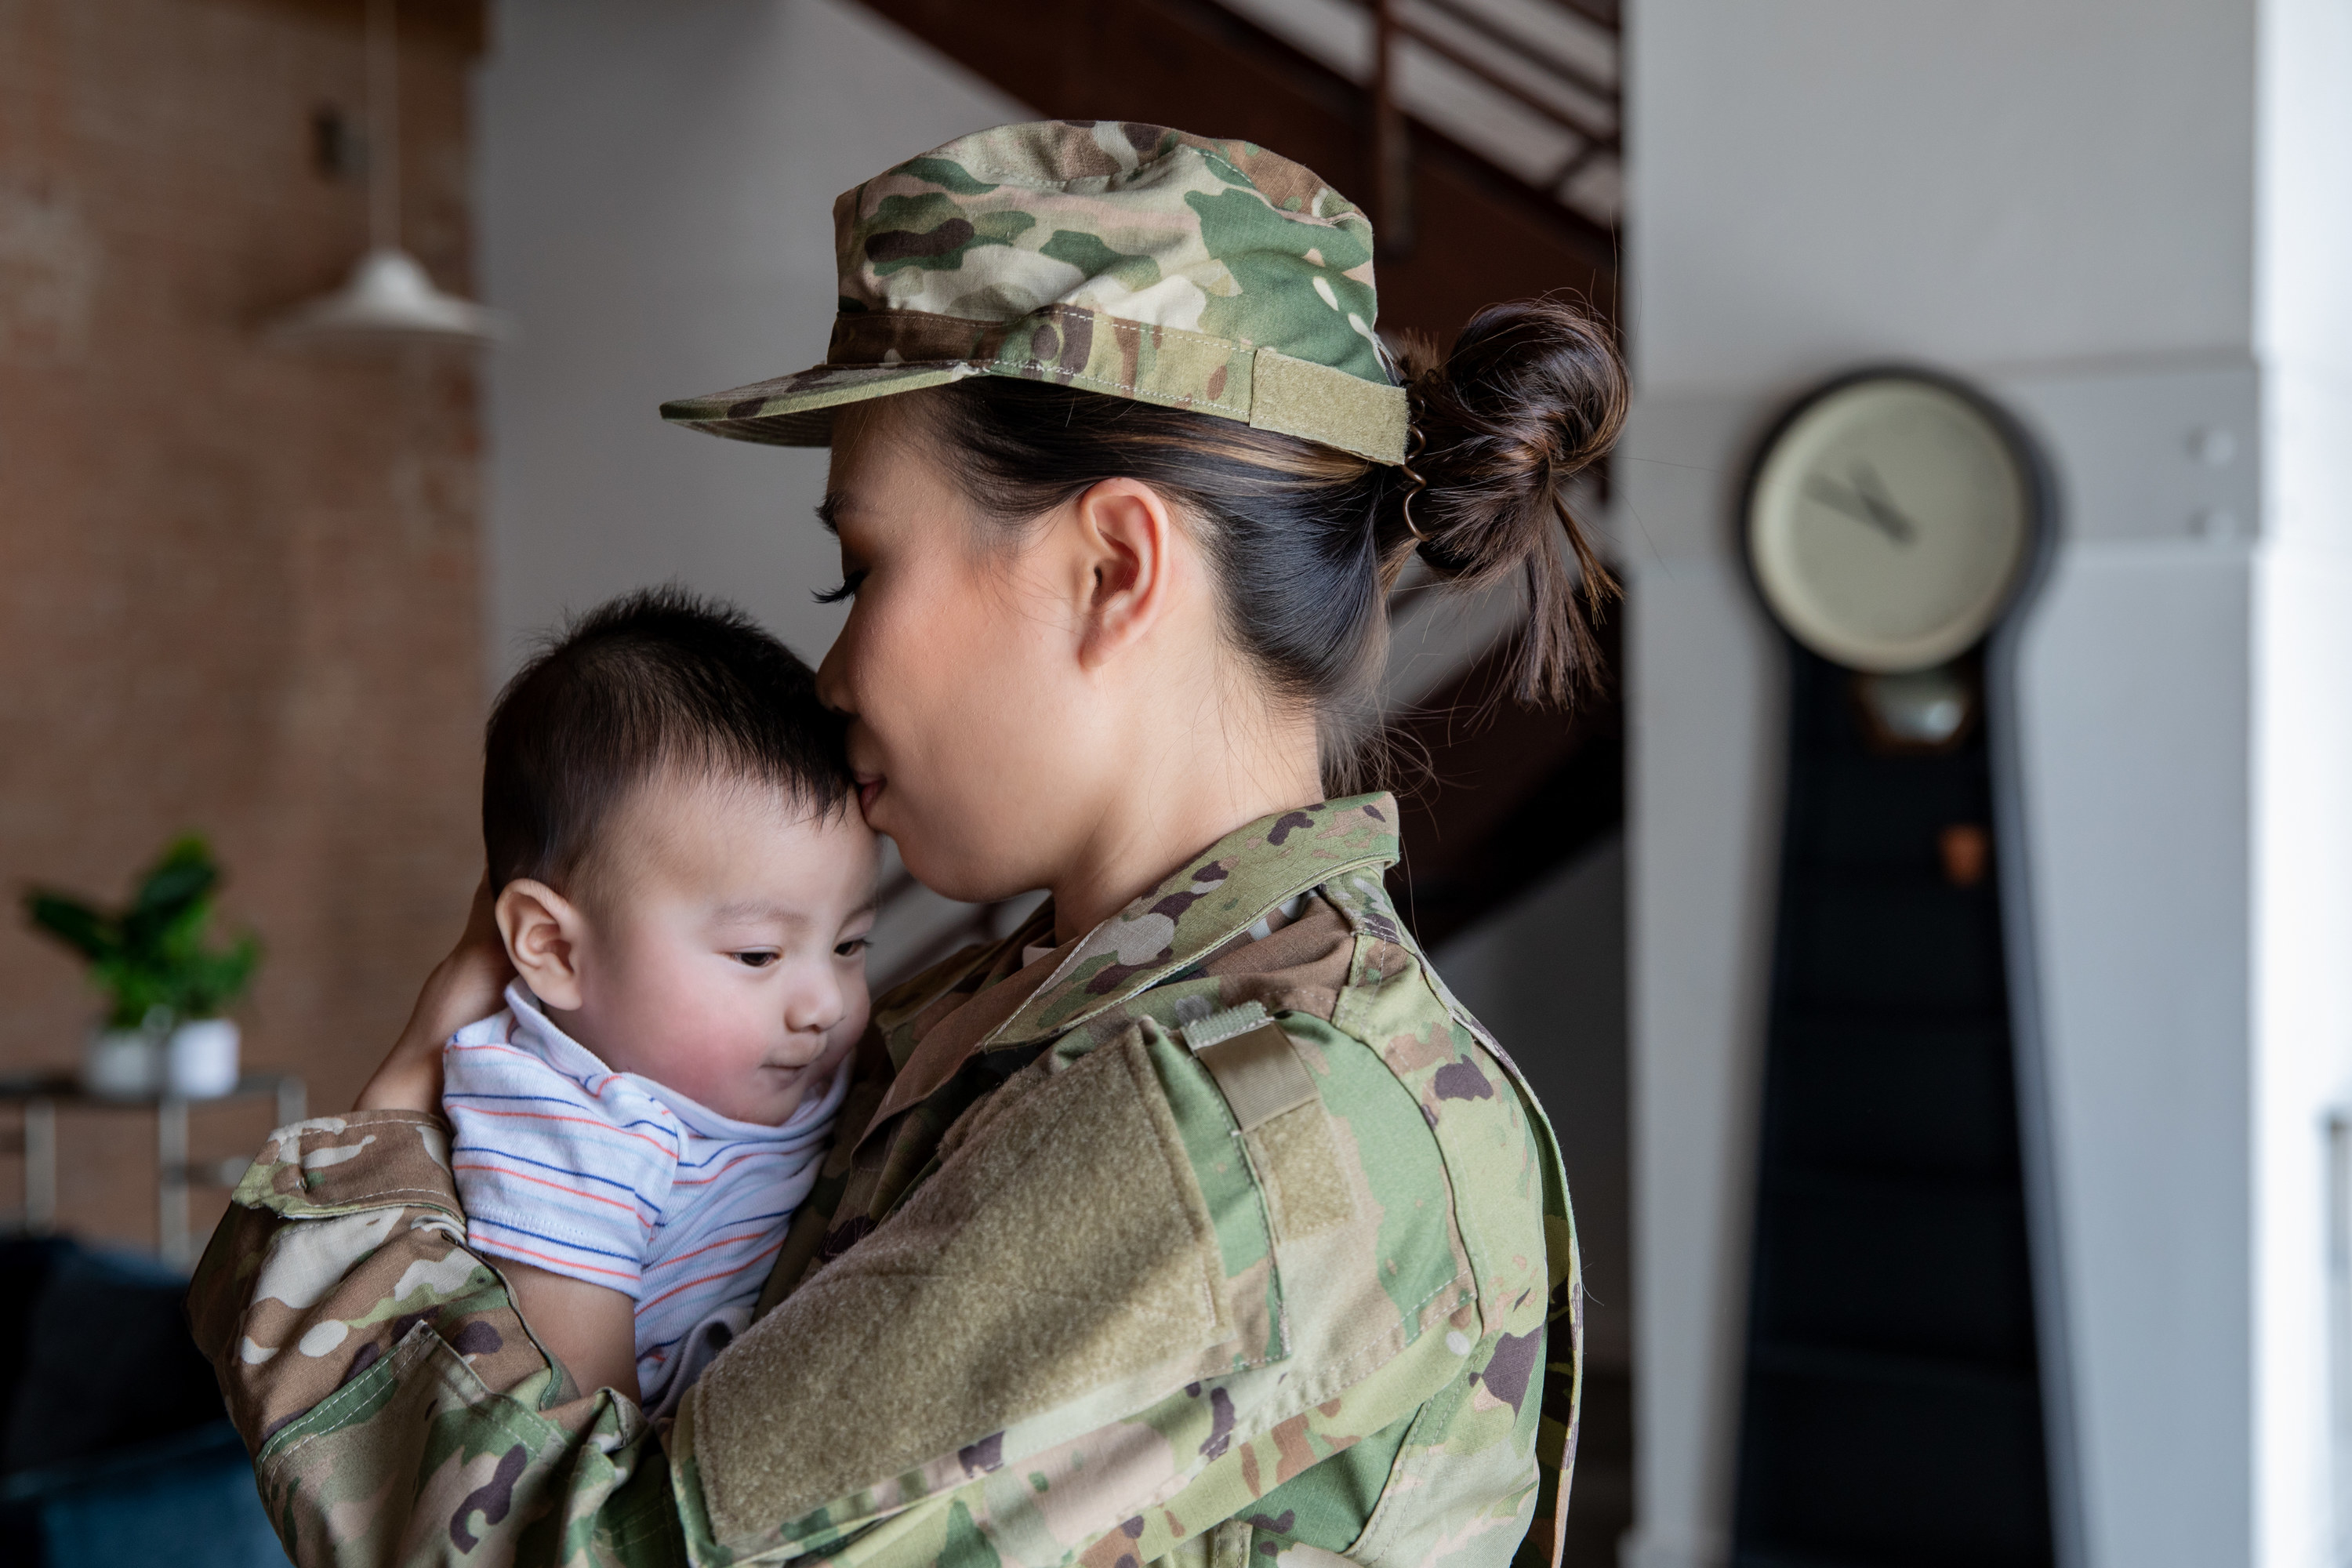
pixel 950 878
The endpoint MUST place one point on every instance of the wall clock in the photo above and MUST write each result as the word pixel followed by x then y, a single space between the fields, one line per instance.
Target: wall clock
pixel 1894 1406
pixel 1890 520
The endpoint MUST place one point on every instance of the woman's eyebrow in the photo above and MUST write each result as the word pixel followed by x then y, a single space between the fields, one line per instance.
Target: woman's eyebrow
pixel 829 510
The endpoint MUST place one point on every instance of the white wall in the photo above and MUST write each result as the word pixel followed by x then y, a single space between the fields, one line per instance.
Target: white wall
pixel 656 194
pixel 2005 180
pixel 2061 202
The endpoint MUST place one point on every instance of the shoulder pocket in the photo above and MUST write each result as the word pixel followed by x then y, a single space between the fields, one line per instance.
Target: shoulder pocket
pixel 1280 1114
pixel 1359 1209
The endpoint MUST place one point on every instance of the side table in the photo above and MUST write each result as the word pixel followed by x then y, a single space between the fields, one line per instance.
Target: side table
pixel 41 1095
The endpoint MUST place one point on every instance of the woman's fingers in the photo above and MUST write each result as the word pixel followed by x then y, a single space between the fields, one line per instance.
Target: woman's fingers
pixel 482 920
pixel 477 969
pixel 463 986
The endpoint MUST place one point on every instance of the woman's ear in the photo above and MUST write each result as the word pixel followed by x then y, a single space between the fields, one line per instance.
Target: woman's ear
pixel 1127 545
pixel 542 930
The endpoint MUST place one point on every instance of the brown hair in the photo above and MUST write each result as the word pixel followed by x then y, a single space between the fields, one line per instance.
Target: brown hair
pixel 1306 540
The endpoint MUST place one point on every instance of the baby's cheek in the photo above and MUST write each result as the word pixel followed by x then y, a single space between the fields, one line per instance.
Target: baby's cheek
pixel 860 1012
pixel 712 1052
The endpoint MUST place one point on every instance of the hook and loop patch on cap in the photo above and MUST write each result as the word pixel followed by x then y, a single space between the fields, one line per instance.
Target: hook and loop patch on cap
pixel 1114 257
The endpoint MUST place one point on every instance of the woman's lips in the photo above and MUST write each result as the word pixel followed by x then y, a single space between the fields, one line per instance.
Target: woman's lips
pixel 869 790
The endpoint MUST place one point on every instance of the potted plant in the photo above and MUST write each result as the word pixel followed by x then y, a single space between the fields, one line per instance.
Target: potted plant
pixel 166 982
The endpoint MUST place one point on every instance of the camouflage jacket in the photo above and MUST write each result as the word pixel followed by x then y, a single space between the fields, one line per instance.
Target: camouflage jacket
pixel 1199 1239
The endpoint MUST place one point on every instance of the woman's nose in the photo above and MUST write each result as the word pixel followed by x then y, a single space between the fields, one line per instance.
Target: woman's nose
pixel 832 683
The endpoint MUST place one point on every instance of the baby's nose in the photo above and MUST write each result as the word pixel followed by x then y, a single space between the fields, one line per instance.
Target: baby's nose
pixel 815 1005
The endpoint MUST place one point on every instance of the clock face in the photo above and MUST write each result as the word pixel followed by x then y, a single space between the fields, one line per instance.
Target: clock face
pixel 1889 522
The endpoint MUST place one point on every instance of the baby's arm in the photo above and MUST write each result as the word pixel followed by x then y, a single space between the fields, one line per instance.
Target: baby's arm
pixel 591 1328
pixel 560 1188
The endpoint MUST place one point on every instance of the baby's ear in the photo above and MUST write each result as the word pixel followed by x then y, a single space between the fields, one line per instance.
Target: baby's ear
pixel 543 931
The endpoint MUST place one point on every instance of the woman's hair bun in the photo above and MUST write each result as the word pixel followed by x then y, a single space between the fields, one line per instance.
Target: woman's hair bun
pixel 1532 393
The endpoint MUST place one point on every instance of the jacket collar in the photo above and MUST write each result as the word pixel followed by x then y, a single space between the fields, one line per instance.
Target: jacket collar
pixel 1214 897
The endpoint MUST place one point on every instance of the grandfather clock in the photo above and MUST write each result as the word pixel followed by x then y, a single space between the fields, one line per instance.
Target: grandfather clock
pixel 1895 1407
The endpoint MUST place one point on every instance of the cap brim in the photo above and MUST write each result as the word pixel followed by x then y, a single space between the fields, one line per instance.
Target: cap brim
pixel 1259 387
pixel 797 410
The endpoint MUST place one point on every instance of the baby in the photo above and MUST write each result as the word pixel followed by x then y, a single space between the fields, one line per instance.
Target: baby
pixel 685 887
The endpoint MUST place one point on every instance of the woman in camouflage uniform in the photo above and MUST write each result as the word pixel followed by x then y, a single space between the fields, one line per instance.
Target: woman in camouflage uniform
pixel 1195 1221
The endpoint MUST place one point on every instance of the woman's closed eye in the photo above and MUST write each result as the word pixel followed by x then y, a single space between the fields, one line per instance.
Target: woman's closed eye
pixel 848 589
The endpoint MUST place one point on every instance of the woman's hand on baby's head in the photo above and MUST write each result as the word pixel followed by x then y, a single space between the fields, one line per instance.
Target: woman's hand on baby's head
pixel 465 986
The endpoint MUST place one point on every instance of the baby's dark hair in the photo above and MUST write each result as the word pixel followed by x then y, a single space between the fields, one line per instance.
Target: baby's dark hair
pixel 655 679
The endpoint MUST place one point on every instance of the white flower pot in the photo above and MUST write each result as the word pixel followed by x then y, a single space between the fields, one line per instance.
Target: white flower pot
pixel 122 1064
pixel 201 1059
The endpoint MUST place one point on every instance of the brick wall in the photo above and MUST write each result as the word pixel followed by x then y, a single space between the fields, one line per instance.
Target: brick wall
pixel 239 588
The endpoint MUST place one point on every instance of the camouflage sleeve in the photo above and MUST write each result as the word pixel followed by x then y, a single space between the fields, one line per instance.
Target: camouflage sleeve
pixel 1130 1303
pixel 397 1408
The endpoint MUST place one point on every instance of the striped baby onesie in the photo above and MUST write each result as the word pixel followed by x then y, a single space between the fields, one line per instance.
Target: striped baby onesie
pixel 611 1178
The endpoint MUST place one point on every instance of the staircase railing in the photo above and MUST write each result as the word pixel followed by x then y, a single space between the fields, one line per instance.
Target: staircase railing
pixel 1533 86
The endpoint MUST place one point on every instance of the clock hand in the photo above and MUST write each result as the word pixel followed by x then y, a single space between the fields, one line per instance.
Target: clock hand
pixel 1872 489
pixel 1837 497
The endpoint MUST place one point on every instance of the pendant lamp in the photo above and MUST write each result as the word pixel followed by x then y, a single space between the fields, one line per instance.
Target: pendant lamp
pixel 388 300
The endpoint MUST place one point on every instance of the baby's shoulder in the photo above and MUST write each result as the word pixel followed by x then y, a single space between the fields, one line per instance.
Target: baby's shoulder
pixel 499 1028
pixel 493 1074
pixel 495 1049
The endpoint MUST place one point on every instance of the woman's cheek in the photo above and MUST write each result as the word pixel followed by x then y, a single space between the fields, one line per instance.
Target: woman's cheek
pixel 890 670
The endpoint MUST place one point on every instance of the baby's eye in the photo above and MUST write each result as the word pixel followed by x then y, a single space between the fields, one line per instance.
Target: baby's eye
pixel 853 947
pixel 758 958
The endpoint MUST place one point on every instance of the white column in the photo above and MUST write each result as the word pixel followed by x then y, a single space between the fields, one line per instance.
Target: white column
pixel 2302 773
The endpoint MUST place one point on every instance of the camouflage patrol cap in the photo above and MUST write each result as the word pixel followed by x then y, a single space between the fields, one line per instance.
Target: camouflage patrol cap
pixel 1114 258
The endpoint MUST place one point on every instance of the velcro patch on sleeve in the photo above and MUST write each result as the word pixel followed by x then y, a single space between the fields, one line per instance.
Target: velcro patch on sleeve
pixel 990 1297
pixel 1306 1184
pixel 1260 1075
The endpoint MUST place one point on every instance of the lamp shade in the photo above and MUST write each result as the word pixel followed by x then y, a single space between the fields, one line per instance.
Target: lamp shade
pixel 389 301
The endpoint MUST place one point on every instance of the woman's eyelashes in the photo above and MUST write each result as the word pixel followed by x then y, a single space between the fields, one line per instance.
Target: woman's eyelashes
pixel 848 589
pixel 853 947
pixel 758 957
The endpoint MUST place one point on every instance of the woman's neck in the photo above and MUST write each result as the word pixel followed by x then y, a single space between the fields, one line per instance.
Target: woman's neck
pixel 1191 796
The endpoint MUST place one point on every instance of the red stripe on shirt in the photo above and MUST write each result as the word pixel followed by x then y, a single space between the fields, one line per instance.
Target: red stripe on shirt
pixel 773 1247
pixel 506 1249
pixel 559 1186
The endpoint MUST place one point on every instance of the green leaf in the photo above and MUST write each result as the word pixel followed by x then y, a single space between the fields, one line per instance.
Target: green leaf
pixel 211 982
pixel 133 991
pixel 89 932
pixel 181 879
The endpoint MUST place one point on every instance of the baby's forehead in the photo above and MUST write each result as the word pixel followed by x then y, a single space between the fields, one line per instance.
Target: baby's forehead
pixel 741 839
